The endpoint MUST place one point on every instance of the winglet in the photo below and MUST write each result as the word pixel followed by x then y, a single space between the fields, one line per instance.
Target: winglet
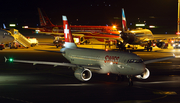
pixel 176 56
pixel 5 59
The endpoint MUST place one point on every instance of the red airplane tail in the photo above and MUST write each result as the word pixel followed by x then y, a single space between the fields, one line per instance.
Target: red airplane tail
pixel 69 42
pixel 44 20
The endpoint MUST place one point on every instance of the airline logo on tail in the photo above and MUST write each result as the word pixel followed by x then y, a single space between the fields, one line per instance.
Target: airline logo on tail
pixel 124 20
pixel 67 32
pixel 69 42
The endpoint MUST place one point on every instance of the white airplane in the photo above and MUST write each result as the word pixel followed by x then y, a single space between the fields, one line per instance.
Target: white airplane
pixel 5 37
pixel 85 61
pixel 139 36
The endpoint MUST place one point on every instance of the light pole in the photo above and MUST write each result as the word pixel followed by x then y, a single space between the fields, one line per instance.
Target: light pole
pixel 178 23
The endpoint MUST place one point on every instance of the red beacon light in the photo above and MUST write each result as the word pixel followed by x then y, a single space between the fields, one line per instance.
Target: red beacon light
pixel 177 33
pixel 106 49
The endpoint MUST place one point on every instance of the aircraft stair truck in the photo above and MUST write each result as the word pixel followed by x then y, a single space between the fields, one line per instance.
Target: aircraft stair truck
pixel 19 38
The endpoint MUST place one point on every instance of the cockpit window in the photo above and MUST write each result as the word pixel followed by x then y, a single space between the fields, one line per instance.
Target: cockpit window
pixel 135 61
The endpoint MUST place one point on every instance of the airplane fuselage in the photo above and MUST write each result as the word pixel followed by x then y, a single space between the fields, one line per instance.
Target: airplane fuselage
pixel 109 61
pixel 137 36
pixel 79 29
pixel 5 37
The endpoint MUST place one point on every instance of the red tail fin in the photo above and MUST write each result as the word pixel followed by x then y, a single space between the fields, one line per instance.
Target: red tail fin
pixel 44 20
pixel 69 42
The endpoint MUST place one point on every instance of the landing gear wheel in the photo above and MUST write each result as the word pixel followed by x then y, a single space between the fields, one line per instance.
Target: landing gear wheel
pixel 150 48
pixel 130 83
pixel 147 48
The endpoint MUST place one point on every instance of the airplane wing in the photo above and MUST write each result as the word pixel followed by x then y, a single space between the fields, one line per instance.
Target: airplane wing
pixel 50 33
pixel 97 35
pixel 158 59
pixel 52 63
pixel 164 36
pixel 33 28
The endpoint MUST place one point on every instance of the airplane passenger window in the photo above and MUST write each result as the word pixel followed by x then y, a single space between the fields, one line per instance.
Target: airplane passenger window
pixel 6 33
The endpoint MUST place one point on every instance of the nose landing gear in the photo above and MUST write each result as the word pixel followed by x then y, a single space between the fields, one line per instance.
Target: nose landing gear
pixel 130 83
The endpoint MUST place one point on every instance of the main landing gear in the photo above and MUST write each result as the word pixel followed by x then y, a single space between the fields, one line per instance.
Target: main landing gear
pixel 121 45
pixel 149 48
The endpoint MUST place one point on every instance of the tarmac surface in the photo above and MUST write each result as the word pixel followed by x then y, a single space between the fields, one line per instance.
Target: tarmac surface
pixel 28 83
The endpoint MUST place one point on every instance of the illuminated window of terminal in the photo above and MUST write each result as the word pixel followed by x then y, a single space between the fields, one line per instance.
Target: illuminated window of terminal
pixel 12 25
pixel 140 24
pixel 151 26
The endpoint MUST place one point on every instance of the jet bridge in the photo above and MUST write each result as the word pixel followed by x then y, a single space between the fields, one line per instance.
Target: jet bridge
pixel 19 38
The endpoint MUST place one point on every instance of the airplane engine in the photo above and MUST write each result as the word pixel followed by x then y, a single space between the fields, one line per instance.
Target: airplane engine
pixel 145 75
pixel 83 74
pixel 162 44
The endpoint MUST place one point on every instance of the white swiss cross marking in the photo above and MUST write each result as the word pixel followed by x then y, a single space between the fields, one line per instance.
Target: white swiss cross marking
pixel 66 31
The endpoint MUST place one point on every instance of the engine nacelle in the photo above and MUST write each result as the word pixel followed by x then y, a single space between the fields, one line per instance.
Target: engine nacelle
pixel 162 44
pixel 83 74
pixel 144 75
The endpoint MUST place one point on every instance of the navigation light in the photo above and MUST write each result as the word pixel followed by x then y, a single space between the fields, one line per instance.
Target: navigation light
pixel 11 59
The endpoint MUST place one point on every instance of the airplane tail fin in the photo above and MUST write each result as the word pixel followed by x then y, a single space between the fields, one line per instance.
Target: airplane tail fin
pixel 69 42
pixel 4 26
pixel 124 26
pixel 44 20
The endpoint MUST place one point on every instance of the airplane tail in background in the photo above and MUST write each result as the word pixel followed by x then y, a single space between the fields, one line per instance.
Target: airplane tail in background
pixel 4 26
pixel 44 20
pixel 69 42
pixel 124 26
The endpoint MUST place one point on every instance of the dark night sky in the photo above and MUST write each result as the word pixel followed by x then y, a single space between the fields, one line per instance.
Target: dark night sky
pixel 92 12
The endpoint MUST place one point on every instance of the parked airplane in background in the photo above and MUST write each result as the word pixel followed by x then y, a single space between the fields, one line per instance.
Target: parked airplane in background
pixel 85 61
pixel 5 38
pixel 82 33
pixel 139 36
pixel 106 34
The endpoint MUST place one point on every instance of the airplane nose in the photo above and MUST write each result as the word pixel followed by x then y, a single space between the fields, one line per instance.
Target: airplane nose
pixel 139 68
